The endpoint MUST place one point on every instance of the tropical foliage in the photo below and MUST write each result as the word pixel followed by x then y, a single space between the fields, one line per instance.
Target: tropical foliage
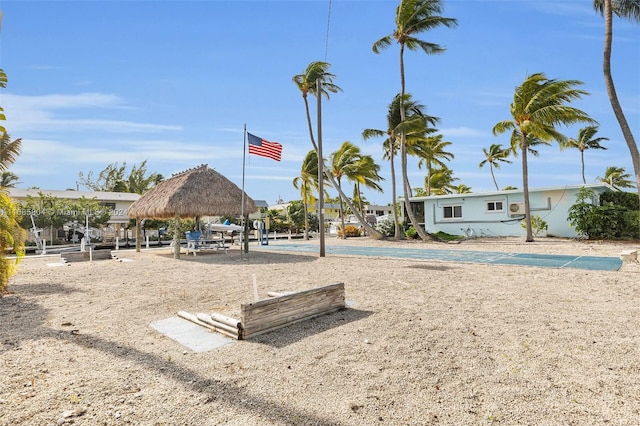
pixel 627 9
pixel 432 153
pixel 584 141
pixel 12 236
pixel 493 157
pixel 52 212
pixel 606 220
pixel 8 179
pixel 316 76
pixel 538 225
pixel 539 106
pixel 307 183
pixel 617 177
pixel 114 179
pixel 414 127
pixel 412 18
pixel 9 150
pixel 348 162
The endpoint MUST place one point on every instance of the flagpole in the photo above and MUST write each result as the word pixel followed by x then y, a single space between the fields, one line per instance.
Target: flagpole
pixel 243 221
pixel 320 170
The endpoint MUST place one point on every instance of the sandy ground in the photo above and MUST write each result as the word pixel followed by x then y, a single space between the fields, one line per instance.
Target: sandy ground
pixel 424 342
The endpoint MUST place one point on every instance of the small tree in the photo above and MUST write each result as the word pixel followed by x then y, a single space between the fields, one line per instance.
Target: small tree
pixel 606 221
pixel 537 225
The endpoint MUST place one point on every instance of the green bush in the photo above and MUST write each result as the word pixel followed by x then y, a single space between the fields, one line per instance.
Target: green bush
pixel 628 200
pixel 443 236
pixel 386 228
pixel 411 233
pixel 537 225
pixel 607 221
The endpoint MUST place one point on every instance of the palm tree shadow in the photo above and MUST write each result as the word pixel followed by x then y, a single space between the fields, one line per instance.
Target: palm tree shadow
pixel 21 319
pixel 31 326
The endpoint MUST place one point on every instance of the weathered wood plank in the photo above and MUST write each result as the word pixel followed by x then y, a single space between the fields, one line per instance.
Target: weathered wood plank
pixel 270 314
pixel 194 319
pixel 219 325
pixel 79 256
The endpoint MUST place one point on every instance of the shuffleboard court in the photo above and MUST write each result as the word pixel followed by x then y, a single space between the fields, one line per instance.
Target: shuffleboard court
pixel 595 263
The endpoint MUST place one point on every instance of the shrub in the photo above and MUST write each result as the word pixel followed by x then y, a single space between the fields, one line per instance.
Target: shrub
pixel 411 233
pixel 537 225
pixel 350 231
pixel 607 221
pixel 386 228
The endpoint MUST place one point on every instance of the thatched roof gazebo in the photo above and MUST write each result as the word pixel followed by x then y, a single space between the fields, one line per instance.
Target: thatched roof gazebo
pixel 196 192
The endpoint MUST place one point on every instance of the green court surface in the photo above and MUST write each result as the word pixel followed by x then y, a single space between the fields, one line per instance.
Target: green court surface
pixel 594 263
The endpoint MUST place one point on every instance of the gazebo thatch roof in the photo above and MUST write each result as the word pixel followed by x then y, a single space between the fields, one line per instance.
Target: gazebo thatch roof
pixel 200 191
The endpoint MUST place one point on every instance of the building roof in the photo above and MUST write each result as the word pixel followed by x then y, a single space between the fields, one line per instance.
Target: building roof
pixel 599 185
pixel 19 193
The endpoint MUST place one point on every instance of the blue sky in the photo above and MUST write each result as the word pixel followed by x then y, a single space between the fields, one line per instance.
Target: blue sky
pixel 174 83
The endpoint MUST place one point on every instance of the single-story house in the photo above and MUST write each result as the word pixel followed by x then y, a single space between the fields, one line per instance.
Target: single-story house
pixel 500 213
pixel 117 202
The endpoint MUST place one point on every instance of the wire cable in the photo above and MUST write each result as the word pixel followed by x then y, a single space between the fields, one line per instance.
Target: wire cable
pixel 326 45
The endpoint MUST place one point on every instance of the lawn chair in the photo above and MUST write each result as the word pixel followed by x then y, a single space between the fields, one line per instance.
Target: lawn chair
pixel 193 241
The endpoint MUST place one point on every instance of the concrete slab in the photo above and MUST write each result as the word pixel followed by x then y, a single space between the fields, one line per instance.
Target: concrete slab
pixel 193 336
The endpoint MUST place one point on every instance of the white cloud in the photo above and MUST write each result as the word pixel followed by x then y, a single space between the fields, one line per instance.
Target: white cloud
pixel 462 132
pixel 27 114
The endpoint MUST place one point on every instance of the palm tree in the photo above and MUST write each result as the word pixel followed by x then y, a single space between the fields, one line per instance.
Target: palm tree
pixel 9 151
pixel 629 9
pixel 431 151
pixel 307 82
pixel 539 105
pixel 12 236
pixel 8 180
pixel 307 183
pixel 441 180
pixel 413 17
pixel 348 162
pixel 616 177
pixel 462 189
pixel 414 124
pixel 493 157
pixel 367 173
pixel 585 141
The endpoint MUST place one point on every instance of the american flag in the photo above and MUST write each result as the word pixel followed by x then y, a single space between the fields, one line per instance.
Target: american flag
pixel 264 148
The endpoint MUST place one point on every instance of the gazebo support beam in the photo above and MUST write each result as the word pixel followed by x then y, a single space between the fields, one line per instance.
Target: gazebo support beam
pixel 176 237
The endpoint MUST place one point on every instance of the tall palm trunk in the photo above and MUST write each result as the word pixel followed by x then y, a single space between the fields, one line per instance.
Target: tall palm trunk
pixel 493 176
pixel 396 221
pixel 613 96
pixel 372 232
pixel 525 188
pixel 429 171
pixel 305 204
pixel 584 180
pixel 403 157
pixel 344 234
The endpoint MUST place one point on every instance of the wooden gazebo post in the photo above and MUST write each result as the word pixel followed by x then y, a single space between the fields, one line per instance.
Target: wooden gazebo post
pixel 138 235
pixel 176 237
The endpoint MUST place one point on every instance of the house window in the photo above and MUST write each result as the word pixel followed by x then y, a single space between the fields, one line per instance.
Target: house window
pixel 494 206
pixel 452 212
pixel 418 210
